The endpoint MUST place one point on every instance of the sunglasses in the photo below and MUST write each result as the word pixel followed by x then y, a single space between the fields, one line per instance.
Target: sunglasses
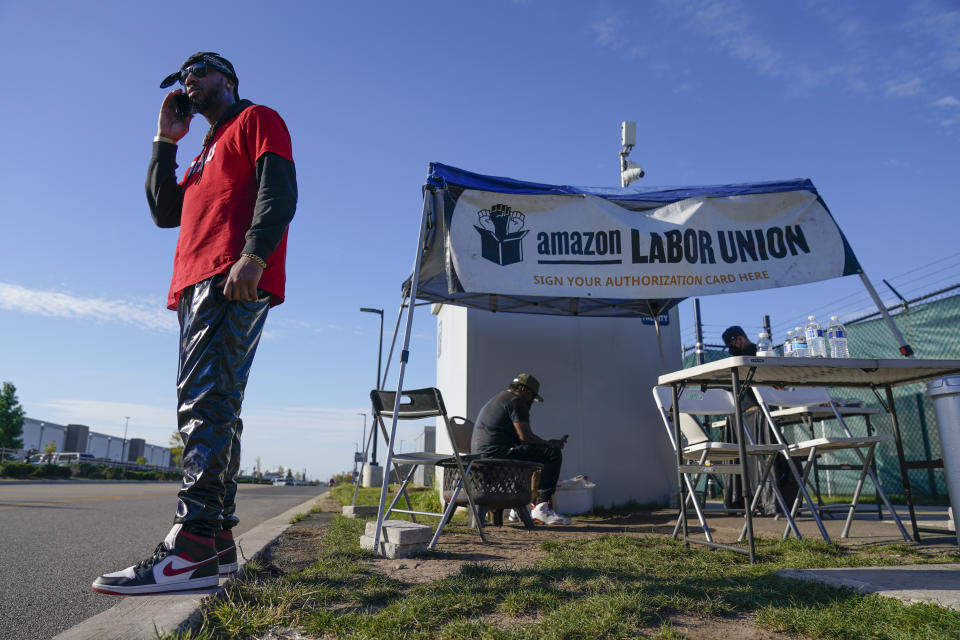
pixel 200 70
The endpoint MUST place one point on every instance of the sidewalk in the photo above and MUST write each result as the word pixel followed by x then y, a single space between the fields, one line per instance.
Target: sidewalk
pixel 146 617
pixel 931 583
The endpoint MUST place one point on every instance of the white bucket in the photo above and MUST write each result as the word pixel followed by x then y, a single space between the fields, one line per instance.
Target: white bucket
pixel 573 496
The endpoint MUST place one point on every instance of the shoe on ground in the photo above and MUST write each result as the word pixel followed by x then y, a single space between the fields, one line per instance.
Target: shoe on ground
pixel 543 514
pixel 182 562
pixel 226 552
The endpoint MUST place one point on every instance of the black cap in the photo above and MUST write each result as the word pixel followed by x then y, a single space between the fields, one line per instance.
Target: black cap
pixel 732 332
pixel 216 61
pixel 530 383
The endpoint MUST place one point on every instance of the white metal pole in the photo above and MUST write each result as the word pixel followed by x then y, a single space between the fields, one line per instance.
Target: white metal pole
pixel 905 350
pixel 123 447
pixel 430 204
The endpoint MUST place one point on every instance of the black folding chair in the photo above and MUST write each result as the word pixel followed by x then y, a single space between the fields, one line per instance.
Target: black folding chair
pixel 416 404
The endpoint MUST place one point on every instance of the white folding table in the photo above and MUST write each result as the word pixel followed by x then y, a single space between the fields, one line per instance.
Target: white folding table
pixel 739 373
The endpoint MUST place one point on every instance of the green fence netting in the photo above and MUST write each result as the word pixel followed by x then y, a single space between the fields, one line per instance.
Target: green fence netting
pixel 933 330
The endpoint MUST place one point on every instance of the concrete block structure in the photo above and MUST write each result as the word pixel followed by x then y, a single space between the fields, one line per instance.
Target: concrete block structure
pixel 596 375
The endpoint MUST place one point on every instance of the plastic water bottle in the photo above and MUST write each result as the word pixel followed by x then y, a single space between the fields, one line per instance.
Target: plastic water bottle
pixel 837 337
pixel 789 344
pixel 816 345
pixel 764 345
pixel 800 349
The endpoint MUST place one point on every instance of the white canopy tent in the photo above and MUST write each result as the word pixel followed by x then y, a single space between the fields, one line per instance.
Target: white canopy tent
pixel 519 247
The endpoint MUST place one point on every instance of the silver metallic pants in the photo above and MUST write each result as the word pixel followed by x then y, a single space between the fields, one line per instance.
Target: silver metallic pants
pixel 218 339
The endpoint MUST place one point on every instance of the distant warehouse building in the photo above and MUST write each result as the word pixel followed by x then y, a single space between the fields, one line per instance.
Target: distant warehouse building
pixel 38 434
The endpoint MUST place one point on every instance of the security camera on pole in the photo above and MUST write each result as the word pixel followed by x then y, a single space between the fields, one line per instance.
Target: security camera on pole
pixel 629 171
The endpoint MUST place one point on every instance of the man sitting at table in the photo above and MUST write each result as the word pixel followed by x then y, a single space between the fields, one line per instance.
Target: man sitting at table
pixel 738 344
pixel 503 430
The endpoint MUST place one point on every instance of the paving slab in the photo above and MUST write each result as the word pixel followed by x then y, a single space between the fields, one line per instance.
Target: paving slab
pixel 931 583
pixel 391 550
pixel 146 617
pixel 401 531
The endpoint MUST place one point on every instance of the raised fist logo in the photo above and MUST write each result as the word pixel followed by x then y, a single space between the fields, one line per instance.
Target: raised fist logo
pixel 501 220
pixel 501 231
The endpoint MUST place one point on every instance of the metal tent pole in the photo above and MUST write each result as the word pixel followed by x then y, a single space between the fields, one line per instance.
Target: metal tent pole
pixel 905 350
pixel 699 330
pixel 430 204
pixel 393 343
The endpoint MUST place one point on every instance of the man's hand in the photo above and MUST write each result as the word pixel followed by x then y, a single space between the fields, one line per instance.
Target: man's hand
pixel 242 280
pixel 168 124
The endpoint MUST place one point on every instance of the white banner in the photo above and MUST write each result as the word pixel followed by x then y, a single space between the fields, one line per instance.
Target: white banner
pixel 586 246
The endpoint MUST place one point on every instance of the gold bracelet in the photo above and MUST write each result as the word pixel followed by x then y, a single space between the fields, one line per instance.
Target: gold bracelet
pixel 260 261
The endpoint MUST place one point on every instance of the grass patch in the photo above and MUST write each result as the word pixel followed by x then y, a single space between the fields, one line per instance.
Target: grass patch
pixel 297 518
pixel 607 587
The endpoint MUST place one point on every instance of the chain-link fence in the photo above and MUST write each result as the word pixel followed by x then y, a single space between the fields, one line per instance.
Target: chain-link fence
pixel 932 328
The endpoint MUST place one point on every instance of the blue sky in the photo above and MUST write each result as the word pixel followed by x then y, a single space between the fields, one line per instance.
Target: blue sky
pixel 861 97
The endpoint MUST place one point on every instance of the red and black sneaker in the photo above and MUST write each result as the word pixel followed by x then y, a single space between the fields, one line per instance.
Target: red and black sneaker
pixel 226 552
pixel 182 562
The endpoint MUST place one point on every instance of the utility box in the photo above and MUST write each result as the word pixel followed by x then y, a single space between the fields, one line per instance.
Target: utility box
pixel 945 393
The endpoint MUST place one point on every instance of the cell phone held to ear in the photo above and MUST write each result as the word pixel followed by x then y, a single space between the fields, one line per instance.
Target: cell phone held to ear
pixel 182 106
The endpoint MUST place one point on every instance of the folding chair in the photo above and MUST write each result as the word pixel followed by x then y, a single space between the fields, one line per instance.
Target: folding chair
pixel 805 416
pixel 698 446
pixel 496 483
pixel 809 449
pixel 417 404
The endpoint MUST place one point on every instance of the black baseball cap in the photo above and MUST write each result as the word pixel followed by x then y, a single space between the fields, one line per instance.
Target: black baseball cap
pixel 531 383
pixel 213 59
pixel 732 332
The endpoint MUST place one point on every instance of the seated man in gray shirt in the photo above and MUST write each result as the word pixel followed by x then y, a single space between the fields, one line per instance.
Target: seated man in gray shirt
pixel 503 430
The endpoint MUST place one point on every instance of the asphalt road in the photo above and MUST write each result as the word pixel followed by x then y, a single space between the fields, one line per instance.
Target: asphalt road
pixel 57 537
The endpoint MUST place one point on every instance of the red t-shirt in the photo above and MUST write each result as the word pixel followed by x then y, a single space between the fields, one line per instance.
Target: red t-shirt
pixel 219 193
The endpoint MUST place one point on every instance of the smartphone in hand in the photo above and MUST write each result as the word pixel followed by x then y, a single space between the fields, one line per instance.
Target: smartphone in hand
pixel 182 106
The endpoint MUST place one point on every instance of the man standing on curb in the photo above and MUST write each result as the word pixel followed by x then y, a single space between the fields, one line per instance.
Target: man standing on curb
pixel 233 207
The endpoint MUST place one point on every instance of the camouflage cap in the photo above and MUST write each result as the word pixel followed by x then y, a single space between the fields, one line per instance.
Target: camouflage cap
pixel 530 383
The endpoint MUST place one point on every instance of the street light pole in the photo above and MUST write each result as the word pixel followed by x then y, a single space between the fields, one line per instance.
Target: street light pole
pixel 123 447
pixel 363 442
pixel 373 460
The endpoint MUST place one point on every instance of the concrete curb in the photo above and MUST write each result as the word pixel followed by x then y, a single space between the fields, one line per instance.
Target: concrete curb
pixel 147 617
pixel 931 583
